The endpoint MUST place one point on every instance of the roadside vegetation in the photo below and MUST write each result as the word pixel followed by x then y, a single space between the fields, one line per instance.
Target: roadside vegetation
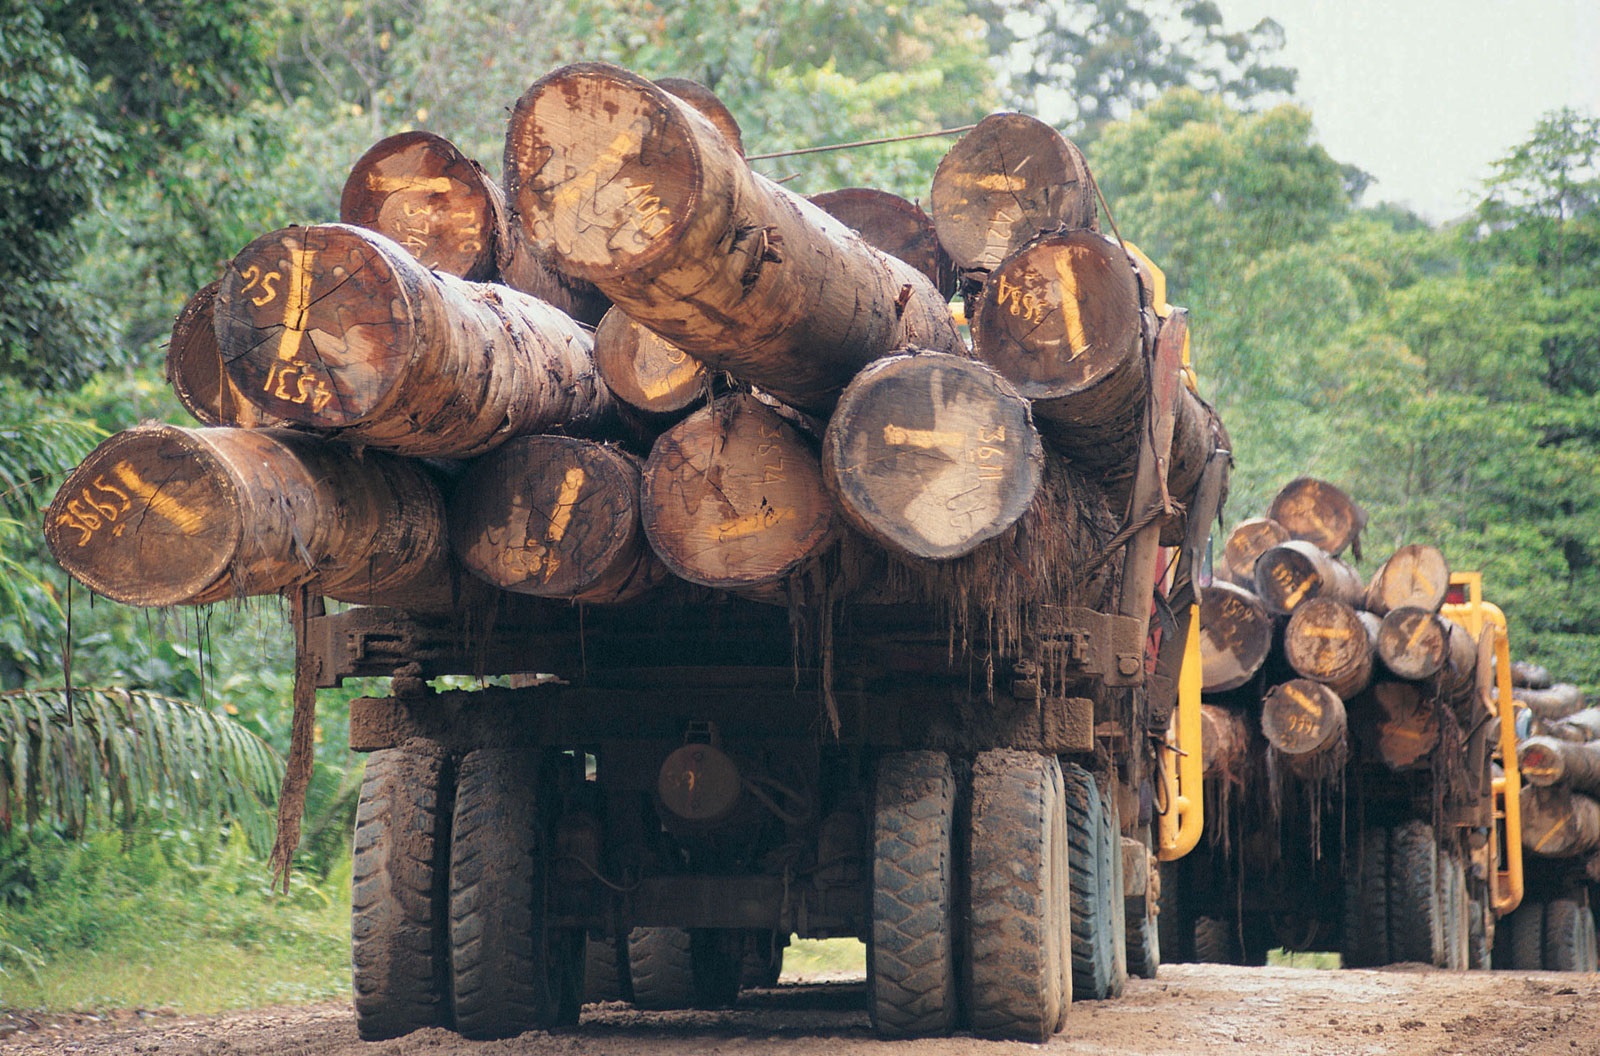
pixel 1448 375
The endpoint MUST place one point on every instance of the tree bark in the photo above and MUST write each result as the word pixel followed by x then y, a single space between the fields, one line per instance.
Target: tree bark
pixel 1247 542
pixel 1060 319
pixel 733 496
pixel 894 225
pixel 1415 576
pixel 1546 761
pixel 1197 434
pixel 1304 720
pixel 1224 742
pixel 1416 644
pixel 1558 822
pixel 1579 726
pixel 643 370
pixel 1235 637
pixel 710 107
pixel 1295 572
pixel 1559 701
pixel 1003 184
pixel 633 189
pixel 418 189
pixel 1330 642
pixel 160 515
pixel 195 370
pixel 1408 725
pixel 931 455
pixel 556 517
pixel 1529 676
pixel 1319 513
pixel 336 328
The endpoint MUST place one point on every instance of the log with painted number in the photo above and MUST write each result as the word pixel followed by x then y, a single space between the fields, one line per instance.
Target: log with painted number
pixel 633 189
pixel 160 515
pixel 197 374
pixel 338 329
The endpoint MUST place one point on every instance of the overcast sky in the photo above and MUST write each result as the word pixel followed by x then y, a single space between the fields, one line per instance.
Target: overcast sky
pixel 1425 94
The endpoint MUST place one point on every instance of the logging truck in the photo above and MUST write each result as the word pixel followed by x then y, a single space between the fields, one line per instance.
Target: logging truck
pixel 1377 811
pixel 793 614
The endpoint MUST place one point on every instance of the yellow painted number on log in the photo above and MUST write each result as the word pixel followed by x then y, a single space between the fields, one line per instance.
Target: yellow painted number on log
pixel 751 523
pixel 88 513
pixel 289 379
pixel 1070 311
pixel 1023 302
pixel 254 279
pixel 561 518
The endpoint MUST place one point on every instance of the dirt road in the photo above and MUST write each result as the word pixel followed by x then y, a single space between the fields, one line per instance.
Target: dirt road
pixel 1206 1010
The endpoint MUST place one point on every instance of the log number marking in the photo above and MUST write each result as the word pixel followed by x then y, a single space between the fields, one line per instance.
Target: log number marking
pixel 288 379
pixel 104 505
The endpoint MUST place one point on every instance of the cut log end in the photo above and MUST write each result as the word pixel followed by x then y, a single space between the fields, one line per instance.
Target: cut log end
pixel 710 107
pixel 932 454
pixel 1060 316
pixel 1327 641
pixel 1408 725
pixel 1295 572
pixel 315 323
pixel 602 166
pixel 643 369
pixel 1319 513
pixel 1302 718
pixel 734 496
pixel 898 227
pixel 1235 637
pixel 149 518
pixel 1541 761
pixel 196 373
pixel 1004 183
pixel 418 189
pixel 1415 576
pixel 1413 643
pixel 1248 541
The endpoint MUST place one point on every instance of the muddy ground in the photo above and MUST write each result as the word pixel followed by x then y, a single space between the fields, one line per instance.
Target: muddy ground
pixel 1208 1010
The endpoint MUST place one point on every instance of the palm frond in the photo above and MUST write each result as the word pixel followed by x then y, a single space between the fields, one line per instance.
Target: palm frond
pixel 121 752
pixel 37 454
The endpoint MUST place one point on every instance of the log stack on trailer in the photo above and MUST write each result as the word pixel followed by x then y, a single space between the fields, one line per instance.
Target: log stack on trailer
pixel 1361 815
pixel 816 619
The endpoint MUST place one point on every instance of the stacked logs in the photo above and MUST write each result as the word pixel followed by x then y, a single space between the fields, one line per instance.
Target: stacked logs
pixel 1558 751
pixel 1329 667
pixel 637 361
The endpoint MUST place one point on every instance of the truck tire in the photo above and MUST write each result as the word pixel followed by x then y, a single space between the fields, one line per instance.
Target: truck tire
pixel 1174 922
pixel 399 894
pixel 605 970
pixel 1416 918
pixel 911 987
pixel 1526 925
pixel 1017 897
pixel 1478 953
pixel 1366 902
pixel 507 976
pixel 1454 909
pixel 1116 884
pixel 678 968
pixel 1568 945
pixel 1089 898
pixel 1216 941
pixel 1144 937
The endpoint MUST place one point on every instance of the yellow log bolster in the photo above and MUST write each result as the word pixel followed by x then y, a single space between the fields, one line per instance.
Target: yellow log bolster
pixel 1184 818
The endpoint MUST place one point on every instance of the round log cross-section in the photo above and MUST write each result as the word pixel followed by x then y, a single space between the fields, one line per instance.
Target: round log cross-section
pixel 1408 725
pixel 1235 636
pixel 898 227
pixel 1302 718
pixel 632 188
pixel 931 454
pixel 1329 642
pixel 733 496
pixel 643 370
pixel 1003 184
pixel 1060 320
pixel 337 328
pixel 1297 571
pixel 1415 576
pixel 1248 541
pixel 1319 513
pixel 1415 644
pixel 1558 822
pixel 1224 743
pixel 195 370
pixel 711 107
pixel 555 517
pixel 159 515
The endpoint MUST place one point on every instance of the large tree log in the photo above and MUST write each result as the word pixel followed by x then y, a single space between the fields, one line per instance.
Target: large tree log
pixel 1415 576
pixel 733 496
pixel 1305 722
pixel 1319 513
pixel 1235 637
pixel 1579 726
pixel 931 454
pixel 1060 319
pixel 898 227
pixel 1408 725
pixel 418 189
pixel 644 370
pixel 1197 435
pixel 1246 543
pixel 1003 184
pixel 1529 676
pixel 711 108
pixel 1297 571
pixel 159 515
pixel 337 328
pixel 555 517
pixel 195 370
pixel 1416 644
pixel 633 189
pixel 1332 643
pixel 1547 761
pixel 1558 822
pixel 1557 702
pixel 1224 742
